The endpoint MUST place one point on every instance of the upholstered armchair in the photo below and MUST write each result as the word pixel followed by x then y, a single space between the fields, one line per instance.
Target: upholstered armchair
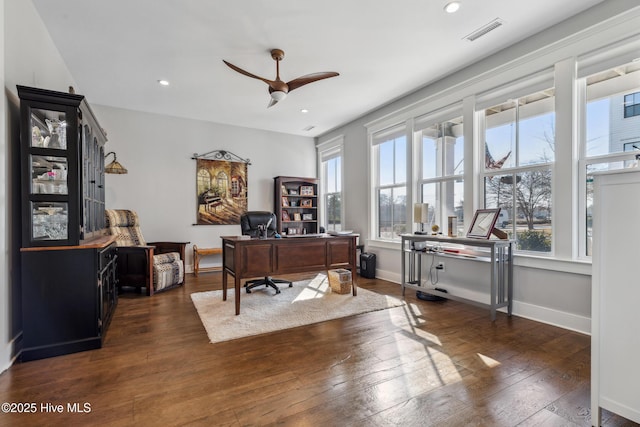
pixel 253 223
pixel 156 266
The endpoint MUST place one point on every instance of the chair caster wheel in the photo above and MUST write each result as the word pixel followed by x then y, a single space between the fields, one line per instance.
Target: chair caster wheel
pixel 278 291
pixel 248 290
pixel 291 285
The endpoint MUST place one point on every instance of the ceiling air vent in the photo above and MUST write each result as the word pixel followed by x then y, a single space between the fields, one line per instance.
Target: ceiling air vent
pixel 308 128
pixel 485 29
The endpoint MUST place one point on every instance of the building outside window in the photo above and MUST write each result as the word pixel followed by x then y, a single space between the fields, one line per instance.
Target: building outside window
pixel 441 173
pixel 519 155
pixel 390 151
pixel 612 133
pixel 632 105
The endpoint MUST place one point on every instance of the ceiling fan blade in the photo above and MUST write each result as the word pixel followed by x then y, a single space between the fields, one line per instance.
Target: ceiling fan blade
pixel 310 78
pixel 248 74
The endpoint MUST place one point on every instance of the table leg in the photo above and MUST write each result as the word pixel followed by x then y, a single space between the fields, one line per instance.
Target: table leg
pixel 237 290
pixel 494 285
pixel 354 269
pixel 225 273
pixel 196 261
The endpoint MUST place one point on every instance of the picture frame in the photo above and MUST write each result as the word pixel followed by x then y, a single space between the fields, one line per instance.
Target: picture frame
pixel 483 223
pixel 306 203
pixel 285 201
pixel 297 216
pixel 293 192
pixel 306 190
pixel 283 189
pixel 292 230
pixel 307 217
pixel 285 216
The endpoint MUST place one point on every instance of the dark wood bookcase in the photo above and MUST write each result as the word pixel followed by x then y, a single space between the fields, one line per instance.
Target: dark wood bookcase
pixel 296 205
pixel 68 264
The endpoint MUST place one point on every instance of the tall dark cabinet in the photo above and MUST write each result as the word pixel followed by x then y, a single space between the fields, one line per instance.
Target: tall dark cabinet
pixel 68 264
pixel 296 205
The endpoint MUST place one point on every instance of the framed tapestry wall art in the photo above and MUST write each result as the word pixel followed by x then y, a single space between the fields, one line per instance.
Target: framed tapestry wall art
pixel 221 189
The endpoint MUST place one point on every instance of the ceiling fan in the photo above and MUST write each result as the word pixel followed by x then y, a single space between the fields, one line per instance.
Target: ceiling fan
pixel 277 88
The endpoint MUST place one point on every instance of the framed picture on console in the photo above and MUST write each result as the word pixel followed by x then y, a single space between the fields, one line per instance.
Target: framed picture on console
pixel 483 223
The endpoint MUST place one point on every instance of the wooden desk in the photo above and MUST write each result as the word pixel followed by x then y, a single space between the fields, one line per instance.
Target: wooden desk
pixel 245 258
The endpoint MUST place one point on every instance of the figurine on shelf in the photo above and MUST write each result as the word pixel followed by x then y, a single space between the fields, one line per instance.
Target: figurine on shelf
pixel 435 228
pixel 58 133
pixel 37 139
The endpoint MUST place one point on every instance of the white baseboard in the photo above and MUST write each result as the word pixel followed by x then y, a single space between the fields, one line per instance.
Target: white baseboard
pixel 538 313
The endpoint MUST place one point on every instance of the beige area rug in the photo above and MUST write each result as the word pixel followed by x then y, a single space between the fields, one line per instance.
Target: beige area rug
pixel 262 311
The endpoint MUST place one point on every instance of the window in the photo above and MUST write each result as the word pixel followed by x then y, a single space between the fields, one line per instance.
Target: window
pixel 612 136
pixel 331 212
pixel 442 166
pixel 333 197
pixel 519 154
pixel 204 181
pixel 632 105
pixel 390 166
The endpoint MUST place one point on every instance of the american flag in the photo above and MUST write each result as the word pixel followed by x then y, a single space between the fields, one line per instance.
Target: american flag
pixel 490 163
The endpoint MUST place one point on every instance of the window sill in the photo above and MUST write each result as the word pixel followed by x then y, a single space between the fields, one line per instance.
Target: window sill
pixel 520 260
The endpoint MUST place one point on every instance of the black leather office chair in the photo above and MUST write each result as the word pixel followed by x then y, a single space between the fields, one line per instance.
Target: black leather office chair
pixel 252 224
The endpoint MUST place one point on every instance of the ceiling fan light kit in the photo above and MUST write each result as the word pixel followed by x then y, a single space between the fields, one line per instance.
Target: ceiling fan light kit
pixel 278 95
pixel 278 89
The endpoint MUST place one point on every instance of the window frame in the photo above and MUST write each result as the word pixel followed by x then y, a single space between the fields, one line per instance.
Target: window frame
pixel 334 148
pixel 377 139
pixel 517 168
pixel 441 179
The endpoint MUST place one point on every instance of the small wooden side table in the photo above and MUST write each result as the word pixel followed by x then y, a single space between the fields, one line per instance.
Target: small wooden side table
pixel 198 253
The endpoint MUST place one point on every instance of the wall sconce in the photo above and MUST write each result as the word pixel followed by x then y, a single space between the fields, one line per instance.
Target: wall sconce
pixel 421 216
pixel 114 166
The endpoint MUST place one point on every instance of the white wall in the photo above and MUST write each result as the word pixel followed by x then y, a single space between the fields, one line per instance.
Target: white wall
pixel 29 58
pixel 553 291
pixel 161 184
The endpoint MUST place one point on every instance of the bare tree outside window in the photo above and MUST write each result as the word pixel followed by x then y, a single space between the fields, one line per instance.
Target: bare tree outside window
pixel 521 133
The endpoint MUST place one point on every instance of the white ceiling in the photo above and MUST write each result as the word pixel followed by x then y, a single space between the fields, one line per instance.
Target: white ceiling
pixel 117 50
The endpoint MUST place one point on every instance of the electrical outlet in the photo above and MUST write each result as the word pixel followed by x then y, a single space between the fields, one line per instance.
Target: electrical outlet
pixel 440 266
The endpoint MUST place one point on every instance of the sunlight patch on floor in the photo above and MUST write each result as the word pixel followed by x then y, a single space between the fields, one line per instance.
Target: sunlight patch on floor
pixel 491 363
pixel 316 288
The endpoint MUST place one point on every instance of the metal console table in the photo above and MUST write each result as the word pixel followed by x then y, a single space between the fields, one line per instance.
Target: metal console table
pixel 498 253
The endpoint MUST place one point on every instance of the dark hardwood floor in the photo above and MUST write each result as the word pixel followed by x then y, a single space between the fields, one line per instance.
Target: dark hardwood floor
pixel 425 364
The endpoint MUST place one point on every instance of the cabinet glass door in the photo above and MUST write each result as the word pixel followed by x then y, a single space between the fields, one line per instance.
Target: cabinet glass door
pixel 48 129
pixel 50 221
pixel 48 175
pixel 48 163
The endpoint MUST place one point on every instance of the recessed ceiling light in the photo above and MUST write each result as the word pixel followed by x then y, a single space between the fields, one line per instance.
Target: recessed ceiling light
pixel 163 82
pixel 304 111
pixel 452 6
